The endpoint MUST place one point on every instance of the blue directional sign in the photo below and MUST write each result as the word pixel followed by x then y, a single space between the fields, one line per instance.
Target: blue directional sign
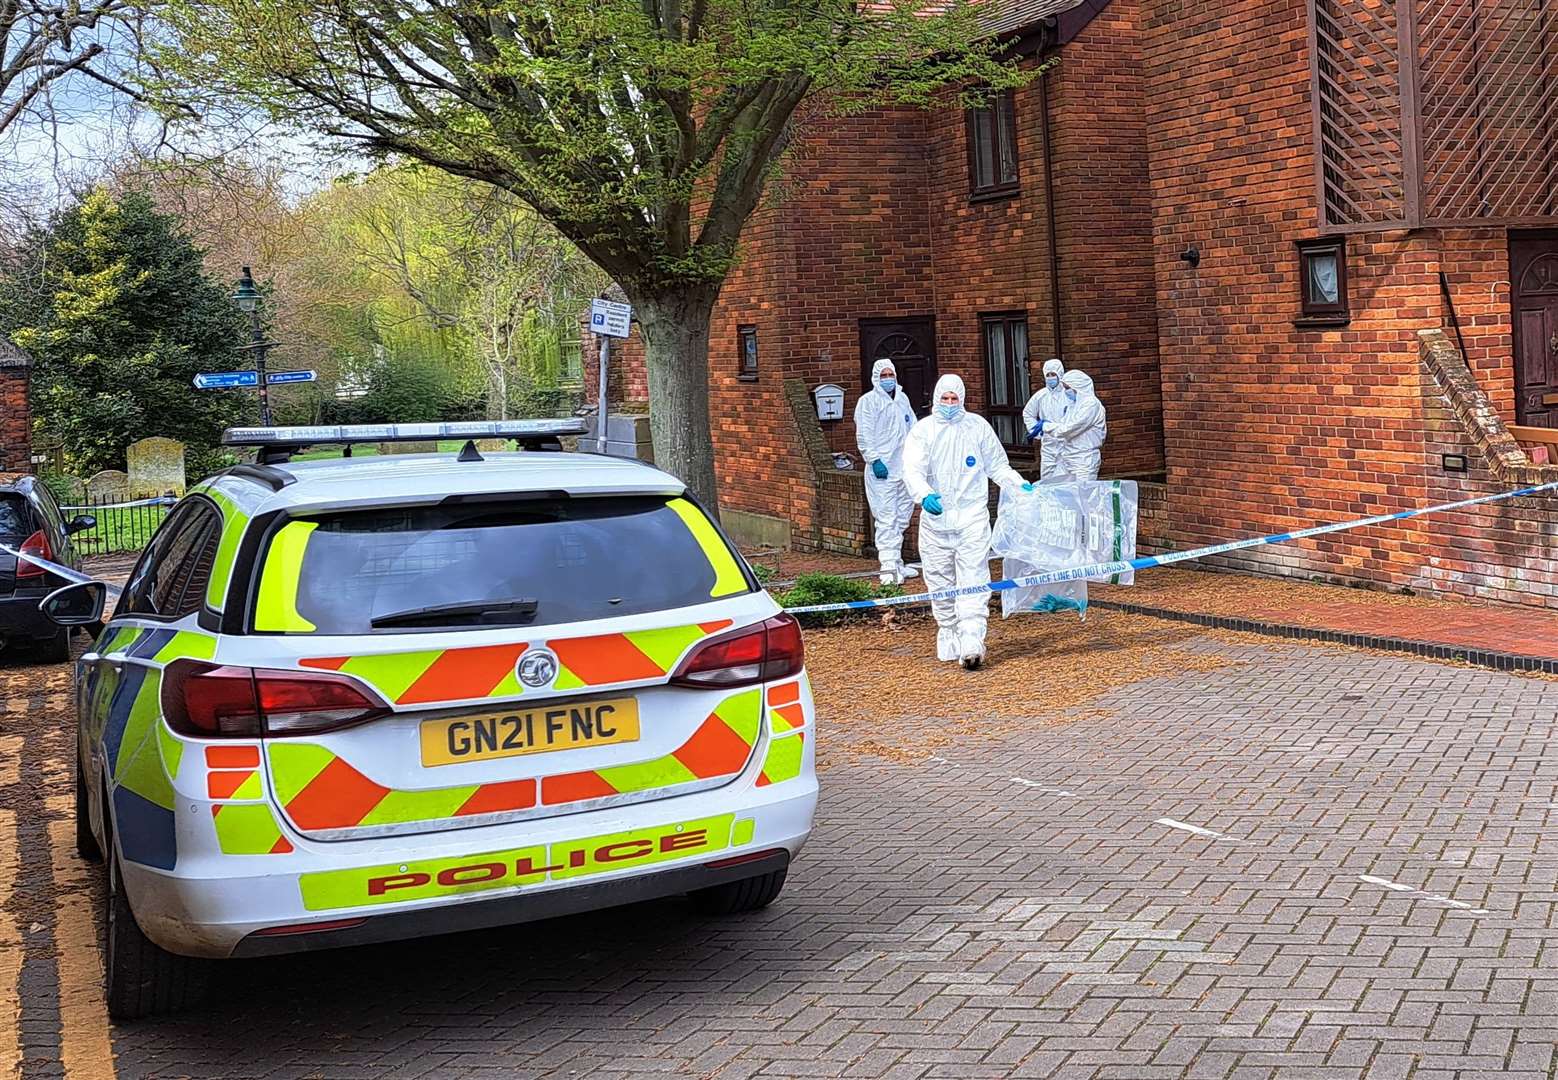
pixel 290 376
pixel 224 380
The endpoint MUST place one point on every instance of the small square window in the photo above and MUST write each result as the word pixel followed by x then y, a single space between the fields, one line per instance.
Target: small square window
pixel 992 148
pixel 1322 283
pixel 747 343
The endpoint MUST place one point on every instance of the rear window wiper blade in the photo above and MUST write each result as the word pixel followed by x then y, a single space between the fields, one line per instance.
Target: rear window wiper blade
pixel 444 614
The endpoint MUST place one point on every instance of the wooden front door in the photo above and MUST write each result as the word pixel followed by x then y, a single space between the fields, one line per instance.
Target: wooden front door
pixel 911 345
pixel 1533 263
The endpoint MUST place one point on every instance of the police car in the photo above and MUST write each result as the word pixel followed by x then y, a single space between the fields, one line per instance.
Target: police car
pixel 374 698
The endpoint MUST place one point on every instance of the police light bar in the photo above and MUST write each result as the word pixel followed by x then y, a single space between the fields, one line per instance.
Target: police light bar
pixel 309 435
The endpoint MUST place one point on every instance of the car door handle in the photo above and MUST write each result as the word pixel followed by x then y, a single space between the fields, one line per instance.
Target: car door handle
pixel 98 658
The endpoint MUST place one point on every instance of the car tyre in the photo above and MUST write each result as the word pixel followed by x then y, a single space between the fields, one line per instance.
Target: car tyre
pixel 86 843
pixel 141 978
pixel 55 650
pixel 735 897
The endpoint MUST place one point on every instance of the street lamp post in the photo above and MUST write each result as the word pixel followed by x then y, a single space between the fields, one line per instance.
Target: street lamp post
pixel 247 297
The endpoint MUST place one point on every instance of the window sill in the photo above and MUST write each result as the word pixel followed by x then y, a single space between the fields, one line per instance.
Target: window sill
pixel 746 378
pixel 1321 322
pixel 995 195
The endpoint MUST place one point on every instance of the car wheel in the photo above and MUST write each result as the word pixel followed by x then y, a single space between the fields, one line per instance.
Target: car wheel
pixel 86 843
pixel 141 978
pixel 55 650
pixel 734 897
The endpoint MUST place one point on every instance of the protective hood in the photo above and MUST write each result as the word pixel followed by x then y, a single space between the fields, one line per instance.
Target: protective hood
pixel 877 369
pixel 1053 366
pixel 945 383
pixel 1079 382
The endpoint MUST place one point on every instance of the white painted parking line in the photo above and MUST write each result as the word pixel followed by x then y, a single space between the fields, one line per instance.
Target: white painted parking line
pixel 1035 785
pixel 1185 826
pixel 1419 894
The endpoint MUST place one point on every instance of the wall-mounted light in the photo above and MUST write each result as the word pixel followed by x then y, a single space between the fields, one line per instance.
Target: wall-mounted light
pixel 1191 255
pixel 1453 462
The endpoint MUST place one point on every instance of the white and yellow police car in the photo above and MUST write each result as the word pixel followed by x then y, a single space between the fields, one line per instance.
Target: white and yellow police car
pixel 374 698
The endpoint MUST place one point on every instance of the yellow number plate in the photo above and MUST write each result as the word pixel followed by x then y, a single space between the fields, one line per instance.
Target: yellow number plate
pixel 455 740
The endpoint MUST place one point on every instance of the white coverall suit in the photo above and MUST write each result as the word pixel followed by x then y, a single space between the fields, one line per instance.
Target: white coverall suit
pixel 1047 405
pixel 1082 428
pixel 882 423
pixel 956 459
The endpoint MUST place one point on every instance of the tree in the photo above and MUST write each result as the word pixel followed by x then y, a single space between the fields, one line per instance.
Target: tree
pixel 112 303
pixel 644 130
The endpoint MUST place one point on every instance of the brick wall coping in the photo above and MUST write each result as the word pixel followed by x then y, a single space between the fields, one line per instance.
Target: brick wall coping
pixel 1506 459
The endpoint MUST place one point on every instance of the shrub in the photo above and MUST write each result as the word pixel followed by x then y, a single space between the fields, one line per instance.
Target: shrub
pixel 831 589
pixel 764 574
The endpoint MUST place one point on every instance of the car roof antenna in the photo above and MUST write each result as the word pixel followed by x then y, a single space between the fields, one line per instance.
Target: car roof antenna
pixel 469 452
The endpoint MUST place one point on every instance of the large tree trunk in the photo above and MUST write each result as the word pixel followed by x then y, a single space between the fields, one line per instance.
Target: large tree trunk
pixel 676 346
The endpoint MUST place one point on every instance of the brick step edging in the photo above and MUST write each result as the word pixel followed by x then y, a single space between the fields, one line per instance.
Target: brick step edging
pixel 1498 661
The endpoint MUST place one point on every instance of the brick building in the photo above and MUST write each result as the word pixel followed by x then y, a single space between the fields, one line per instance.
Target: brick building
pixel 1308 253
pixel 15 416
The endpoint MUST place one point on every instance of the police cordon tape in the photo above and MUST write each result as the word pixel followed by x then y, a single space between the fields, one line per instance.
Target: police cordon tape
pixel 75 577
pixel 1049 577
pixel 1146 562
pixel 160 500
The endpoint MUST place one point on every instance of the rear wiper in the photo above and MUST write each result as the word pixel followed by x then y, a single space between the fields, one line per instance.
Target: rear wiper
pixel 475 611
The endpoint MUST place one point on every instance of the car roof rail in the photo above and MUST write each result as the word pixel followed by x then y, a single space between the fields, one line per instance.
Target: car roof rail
pixel 273 478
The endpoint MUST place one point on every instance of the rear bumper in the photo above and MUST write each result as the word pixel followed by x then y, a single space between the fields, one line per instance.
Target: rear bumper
pixel 385 889
pixel 21 619
pixel 515 909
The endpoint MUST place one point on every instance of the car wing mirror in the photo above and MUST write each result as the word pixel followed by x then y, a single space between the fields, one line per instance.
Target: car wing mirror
pixel 79 524
pixel 80 604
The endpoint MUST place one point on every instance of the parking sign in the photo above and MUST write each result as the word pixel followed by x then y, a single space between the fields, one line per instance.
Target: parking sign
pixel 610 319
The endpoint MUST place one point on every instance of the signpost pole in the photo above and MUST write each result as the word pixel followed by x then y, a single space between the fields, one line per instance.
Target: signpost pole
pixel 605 357
pixel 259 367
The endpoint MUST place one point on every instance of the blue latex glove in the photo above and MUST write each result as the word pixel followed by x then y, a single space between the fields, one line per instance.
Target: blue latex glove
pixel 932 503
pixel 1037 429
pixel 1027 487
pixel 879 470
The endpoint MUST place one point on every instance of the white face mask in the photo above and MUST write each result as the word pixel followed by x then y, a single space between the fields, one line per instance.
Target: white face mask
pixel 948 412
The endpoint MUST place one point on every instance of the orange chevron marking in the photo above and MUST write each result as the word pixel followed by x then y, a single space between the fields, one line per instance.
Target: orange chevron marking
pixel 464 673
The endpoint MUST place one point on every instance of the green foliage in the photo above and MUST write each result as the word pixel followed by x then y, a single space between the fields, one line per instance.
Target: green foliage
pixel 764 573
pixel 113 305
pixel 614 119
pixel 831 589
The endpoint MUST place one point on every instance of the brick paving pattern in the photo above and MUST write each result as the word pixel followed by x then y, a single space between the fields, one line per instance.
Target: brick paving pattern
pixel 1035 905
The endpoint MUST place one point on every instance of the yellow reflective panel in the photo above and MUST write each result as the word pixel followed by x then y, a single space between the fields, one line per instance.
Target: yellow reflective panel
pixel 728 578
pixel 277 607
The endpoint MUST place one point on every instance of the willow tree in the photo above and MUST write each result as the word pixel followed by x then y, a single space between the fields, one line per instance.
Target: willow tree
pixel 644 130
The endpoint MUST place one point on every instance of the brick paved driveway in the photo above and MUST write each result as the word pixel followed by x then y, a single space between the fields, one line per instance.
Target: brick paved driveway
pixel 1314 862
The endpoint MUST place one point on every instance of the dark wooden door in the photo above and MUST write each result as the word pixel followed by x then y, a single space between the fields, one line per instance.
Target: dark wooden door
pixel 1533 262
pixel 911 345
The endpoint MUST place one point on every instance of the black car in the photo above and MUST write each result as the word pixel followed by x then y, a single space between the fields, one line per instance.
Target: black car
pixel 31 522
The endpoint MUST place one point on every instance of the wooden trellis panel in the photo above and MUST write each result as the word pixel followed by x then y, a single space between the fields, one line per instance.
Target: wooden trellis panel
pixel 1435 112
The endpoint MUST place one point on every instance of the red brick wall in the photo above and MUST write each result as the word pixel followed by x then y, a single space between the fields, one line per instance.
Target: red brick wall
pixel 1103 211
pixel 994 256
pixel 844 238
pixel 15 421
pixel 1269 426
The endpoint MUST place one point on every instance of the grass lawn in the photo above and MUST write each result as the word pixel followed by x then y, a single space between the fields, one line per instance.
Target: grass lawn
pixel 120 530
pixel 370 449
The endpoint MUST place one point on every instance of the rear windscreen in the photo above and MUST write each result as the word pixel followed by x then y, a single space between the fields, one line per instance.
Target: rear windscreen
pixel 15 520
pixel 533 562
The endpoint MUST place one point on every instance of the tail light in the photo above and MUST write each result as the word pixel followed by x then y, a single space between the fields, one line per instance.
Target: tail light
pixel 36 545
pixel 753 654
pixel 221 701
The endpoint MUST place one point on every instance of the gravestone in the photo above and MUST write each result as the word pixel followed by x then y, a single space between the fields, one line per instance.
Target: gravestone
pixel 156 467
pixel 110 485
